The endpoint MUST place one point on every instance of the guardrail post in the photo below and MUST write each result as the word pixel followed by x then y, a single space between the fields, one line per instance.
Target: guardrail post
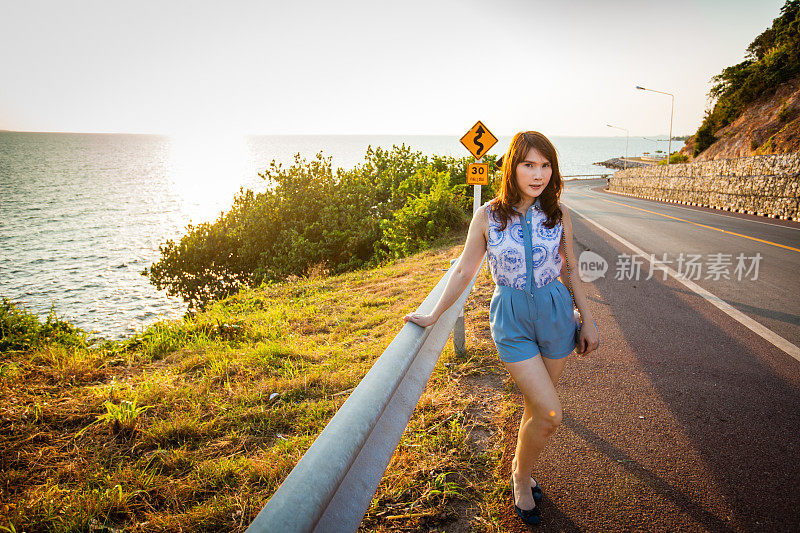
pixel 459 336
pixel 459 333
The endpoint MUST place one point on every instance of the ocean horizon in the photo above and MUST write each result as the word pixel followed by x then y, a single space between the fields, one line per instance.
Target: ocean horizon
pixel 84 213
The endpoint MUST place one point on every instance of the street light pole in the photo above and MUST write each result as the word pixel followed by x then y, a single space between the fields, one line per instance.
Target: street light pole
pixel 671 111
pixel 627 135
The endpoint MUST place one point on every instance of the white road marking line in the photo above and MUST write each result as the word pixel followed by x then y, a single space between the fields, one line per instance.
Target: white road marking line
pixel 756 327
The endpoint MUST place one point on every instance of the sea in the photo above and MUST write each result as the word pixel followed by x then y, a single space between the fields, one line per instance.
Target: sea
pixel 81 215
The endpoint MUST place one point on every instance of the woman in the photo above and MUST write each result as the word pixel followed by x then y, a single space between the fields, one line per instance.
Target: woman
pixel 531 310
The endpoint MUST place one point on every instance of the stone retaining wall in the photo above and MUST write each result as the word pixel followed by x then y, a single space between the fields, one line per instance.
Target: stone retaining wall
pixel 767 185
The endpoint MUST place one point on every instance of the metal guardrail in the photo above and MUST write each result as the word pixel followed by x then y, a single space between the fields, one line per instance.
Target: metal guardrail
pixel 332 485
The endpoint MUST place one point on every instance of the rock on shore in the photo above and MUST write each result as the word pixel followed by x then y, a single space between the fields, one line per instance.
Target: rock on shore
pixel 618 163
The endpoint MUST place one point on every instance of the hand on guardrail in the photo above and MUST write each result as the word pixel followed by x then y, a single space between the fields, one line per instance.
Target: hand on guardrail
pixel 420 319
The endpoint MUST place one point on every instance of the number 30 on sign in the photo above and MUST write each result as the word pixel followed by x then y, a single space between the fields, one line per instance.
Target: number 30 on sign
pixel 478 174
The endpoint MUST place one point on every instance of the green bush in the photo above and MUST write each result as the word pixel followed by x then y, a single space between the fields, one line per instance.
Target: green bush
pixel 312 218
pixel 704 136
pixel 21 330
pixel 786 114
pixel 678 158
pixel 424 217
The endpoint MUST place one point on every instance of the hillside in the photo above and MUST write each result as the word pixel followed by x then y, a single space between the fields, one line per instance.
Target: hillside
pixel 756 105
pixel 770 125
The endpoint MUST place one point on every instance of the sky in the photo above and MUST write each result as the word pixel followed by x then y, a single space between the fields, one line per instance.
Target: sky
pixel 435 67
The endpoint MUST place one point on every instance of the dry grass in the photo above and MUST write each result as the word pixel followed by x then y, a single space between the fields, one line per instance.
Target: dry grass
pixel 233 398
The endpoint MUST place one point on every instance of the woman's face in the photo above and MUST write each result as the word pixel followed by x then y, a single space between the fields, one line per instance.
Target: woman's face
pixel 533 174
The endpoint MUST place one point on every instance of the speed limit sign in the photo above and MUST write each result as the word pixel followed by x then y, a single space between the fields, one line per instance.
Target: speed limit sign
pixel 478 174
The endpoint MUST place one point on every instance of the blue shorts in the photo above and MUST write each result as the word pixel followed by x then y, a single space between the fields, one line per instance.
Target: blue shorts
pixel 526 324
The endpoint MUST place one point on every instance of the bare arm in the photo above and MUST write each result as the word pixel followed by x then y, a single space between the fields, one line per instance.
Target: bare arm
pixel 573 282
pixel 464 271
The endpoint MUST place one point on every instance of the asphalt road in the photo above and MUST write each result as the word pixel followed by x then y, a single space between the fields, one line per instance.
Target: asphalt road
pixel 772 297
pixel 685 419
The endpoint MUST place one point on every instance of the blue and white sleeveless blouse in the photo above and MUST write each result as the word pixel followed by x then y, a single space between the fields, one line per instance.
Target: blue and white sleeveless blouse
pixel 507 249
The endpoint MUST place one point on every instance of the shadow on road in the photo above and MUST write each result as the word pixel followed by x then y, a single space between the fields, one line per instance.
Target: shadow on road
pixel 697 408
pixel 656 483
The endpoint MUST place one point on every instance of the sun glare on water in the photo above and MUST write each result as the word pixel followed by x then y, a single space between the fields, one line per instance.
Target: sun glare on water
pixel 206 170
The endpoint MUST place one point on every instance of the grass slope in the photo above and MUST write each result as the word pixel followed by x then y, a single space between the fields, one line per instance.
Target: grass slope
pixel 192 425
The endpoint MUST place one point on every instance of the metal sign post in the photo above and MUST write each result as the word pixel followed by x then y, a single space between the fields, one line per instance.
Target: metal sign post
pixel 476 198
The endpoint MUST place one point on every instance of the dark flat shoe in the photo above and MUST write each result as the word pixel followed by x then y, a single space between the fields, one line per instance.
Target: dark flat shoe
pixel 536 490
pixel 537 493
pixel 531 517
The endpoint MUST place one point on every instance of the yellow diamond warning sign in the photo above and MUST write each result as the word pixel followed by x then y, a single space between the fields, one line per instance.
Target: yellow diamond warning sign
pixel 478 140
pixel 478 174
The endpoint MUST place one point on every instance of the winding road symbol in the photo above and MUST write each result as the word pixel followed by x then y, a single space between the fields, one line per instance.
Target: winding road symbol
pixel 478 140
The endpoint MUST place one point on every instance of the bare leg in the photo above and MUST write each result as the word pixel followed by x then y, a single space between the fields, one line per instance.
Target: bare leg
pixel 544 416
pixel 554 367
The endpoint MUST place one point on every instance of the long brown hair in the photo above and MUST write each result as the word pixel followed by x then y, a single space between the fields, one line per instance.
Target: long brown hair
pixel 509 194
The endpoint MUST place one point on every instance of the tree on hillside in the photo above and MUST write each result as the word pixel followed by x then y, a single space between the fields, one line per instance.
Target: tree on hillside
pixel 772 58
